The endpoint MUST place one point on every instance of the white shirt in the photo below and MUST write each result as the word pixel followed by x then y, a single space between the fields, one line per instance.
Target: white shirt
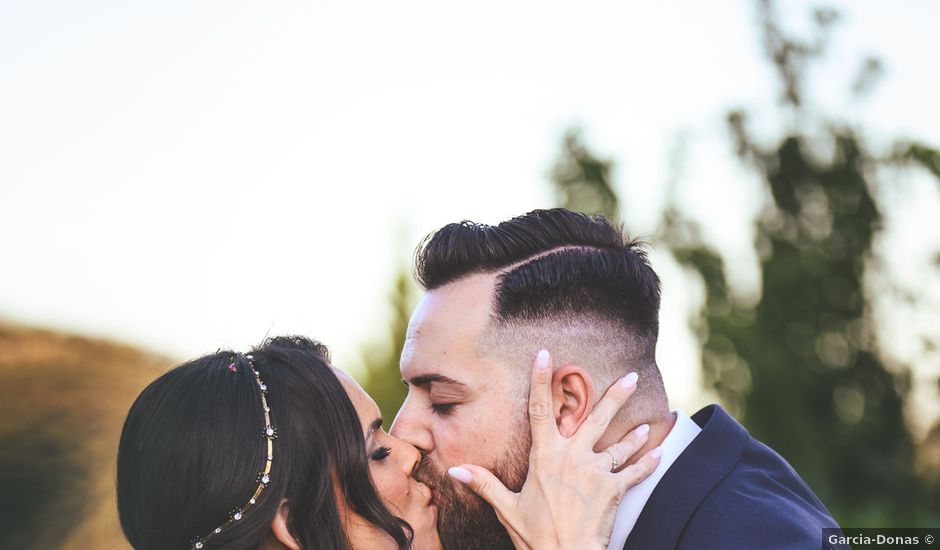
pixel 678 438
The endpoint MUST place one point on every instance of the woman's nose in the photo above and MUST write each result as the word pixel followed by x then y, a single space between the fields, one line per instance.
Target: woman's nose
pixel 410 456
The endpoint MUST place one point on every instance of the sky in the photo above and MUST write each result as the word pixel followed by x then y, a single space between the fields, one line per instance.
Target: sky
pixel 186 176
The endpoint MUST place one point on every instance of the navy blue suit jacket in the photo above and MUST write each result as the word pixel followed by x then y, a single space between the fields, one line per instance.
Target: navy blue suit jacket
pixel 729 491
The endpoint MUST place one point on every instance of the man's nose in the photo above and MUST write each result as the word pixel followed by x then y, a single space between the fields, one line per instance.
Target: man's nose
pixel 408 427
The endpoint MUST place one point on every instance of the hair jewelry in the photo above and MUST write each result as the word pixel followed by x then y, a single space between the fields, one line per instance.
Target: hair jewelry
pixel 264 476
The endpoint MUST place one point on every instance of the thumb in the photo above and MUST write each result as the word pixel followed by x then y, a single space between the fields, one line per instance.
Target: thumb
pixel 482 482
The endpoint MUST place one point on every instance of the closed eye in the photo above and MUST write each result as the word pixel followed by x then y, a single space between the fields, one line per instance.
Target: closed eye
pixel 442 408
pixel 381 453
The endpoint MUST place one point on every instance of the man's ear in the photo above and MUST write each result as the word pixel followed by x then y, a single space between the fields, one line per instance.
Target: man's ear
pixel 572 396
pixel 279 527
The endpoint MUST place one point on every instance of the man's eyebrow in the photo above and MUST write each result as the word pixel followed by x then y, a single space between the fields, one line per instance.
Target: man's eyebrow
pixel 426 379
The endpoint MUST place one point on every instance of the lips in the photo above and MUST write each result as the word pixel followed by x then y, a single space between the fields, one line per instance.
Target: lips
pixel 425 490
pixel 431 480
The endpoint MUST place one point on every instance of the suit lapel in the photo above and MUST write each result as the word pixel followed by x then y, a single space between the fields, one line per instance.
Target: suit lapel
pixel 704 464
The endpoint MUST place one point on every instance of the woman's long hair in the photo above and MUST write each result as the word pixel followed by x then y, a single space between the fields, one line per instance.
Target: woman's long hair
pixel 192 448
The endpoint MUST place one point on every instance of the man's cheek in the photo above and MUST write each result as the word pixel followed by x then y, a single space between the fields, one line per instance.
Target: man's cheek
pixel 474 444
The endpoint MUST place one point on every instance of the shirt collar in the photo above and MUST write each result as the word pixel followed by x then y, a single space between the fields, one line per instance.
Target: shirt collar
pixel 678 438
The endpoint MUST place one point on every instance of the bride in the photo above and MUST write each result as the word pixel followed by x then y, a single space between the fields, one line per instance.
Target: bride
pixel 277 449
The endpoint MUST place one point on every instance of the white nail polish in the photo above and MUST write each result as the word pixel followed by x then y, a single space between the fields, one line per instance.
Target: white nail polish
pixel 460 474
pixel 629 380
pixel 541 360
pixel 642 430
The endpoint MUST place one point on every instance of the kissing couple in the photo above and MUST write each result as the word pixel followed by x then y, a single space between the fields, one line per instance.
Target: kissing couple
pixel 536 417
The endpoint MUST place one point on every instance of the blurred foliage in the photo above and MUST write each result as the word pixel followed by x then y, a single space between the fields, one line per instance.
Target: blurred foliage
pixel 380 359
pixel 57 450
pixel 928 157
pixel 803 367
pixel 582 181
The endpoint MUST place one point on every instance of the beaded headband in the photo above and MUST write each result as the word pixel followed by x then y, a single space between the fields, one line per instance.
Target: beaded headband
pixel 264 477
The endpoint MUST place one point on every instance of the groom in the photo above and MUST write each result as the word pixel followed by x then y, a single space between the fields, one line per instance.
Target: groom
pixel 575 285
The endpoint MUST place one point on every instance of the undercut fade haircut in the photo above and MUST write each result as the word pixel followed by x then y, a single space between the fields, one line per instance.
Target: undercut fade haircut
pixel 553 262
pixel 578 276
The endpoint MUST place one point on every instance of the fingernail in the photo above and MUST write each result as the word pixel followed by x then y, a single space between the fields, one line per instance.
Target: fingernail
pixel 541 360
pixel 642 430
pixel 629 381
pixel 655 453
pixel 460 474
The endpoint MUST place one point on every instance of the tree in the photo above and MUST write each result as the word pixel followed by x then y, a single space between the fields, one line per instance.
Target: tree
pixel 582 181
pixel 804 368
pixel 380 360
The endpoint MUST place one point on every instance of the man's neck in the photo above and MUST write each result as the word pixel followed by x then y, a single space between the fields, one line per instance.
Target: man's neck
pixel 660 425
pixel 659 429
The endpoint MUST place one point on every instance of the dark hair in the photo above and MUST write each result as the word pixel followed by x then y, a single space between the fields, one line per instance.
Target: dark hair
pixel 192 447
pixel 554 263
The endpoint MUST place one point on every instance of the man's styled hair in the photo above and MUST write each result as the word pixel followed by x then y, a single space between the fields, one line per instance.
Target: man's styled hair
pixel 565 280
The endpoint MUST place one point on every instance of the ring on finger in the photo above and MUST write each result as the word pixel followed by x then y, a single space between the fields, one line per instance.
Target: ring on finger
pixel 613 460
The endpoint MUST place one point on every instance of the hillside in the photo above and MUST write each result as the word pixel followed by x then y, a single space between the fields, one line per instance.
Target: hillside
pixel 65 399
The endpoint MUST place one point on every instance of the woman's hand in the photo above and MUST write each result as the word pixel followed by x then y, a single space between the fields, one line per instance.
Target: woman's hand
pixel 571 493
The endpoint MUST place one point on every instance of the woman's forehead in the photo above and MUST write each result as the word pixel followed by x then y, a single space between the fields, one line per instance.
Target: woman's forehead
pixel 362 401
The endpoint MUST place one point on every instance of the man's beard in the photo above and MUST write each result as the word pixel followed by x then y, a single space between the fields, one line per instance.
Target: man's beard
pixel 464 520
